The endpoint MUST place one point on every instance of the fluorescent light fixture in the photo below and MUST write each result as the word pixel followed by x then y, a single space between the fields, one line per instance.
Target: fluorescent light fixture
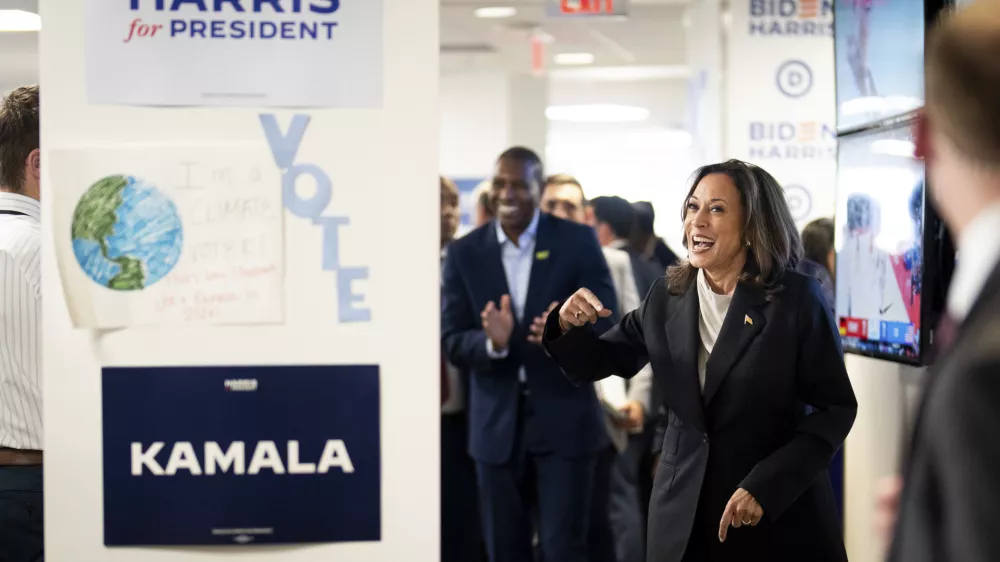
pixel 494 12
pixel 19 20
pixel 596 113
pixel 621 73
pixel 574 58
pixel 894 147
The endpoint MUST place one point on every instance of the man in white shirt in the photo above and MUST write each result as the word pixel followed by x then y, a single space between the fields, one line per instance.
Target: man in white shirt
pixel 20 329
pixel 947 510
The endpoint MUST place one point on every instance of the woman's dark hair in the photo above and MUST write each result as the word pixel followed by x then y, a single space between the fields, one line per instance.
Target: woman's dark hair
pixel 775 246
pixel 817 241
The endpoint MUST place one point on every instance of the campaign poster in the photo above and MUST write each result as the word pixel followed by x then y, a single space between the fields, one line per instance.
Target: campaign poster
pixel 241 455
pixel 169 235
pixel 234 53
pixel 782 115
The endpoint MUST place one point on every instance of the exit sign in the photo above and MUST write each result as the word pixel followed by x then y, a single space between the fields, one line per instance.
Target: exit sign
pixel 587 8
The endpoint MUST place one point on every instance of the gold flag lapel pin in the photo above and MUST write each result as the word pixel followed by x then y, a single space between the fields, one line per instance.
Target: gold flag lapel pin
pixel 748 320
pixel 542 255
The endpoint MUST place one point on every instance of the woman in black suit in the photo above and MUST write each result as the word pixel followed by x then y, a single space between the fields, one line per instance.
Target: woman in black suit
pixel 740 344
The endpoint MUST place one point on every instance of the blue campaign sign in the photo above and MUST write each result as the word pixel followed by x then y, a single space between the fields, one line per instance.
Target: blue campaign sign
pixel 238 455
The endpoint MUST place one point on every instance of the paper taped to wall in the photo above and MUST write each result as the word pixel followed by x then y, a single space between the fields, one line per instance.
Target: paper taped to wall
pixel 164 235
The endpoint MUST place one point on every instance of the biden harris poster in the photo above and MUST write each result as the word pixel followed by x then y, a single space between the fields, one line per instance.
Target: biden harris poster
pixel 241 455
pixel 257 53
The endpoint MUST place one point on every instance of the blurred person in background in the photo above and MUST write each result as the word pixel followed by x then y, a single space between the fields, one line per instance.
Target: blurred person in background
pixel 741 343
pixel 21 435
pixel 534 435
pixel 460 530
pixel 484 207
pixel 645 241
pixel 951 479
pixel 617 516
pixel 614 218
pixel 819 257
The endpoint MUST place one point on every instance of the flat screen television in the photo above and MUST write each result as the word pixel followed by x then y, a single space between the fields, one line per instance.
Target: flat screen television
pixel 894 257
pixel 879 46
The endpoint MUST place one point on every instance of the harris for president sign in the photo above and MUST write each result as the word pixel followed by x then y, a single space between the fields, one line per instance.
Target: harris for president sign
pixel 259 53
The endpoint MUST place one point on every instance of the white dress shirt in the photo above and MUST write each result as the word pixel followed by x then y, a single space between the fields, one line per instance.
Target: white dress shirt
pixel 517 260
pixel 978 254
pixel 20 323
pixel 712 309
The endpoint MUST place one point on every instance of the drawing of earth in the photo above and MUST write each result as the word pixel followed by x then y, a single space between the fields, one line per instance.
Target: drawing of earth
pixel 127 235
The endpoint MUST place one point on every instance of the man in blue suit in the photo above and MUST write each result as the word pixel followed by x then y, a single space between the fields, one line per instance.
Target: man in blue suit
pixel 533 434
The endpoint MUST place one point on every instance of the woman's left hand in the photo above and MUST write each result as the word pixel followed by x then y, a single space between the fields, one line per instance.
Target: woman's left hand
pixel 741 510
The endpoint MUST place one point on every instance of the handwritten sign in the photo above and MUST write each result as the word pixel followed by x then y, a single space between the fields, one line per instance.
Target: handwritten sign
pixel 167 235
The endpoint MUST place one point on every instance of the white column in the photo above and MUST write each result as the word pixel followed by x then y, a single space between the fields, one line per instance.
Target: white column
pixel 527 98
pixel 888 398
pixel 383 165
pixel 704 40
pixel 484 113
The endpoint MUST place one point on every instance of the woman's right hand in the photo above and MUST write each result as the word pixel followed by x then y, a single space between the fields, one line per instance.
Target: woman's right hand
pixel 581 308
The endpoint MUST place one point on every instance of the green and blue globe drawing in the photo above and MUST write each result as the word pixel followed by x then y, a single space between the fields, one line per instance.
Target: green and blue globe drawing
pixel 127 235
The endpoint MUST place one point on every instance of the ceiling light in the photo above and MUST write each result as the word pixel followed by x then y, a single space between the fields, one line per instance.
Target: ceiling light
pixel 621 73
pixel 597 113
pixel 574 58
pixel 495 12
pixel 19 20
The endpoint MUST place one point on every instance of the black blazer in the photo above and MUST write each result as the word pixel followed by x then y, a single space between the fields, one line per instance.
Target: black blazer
pixel 567 256
pixel 749 429
pixel 948 509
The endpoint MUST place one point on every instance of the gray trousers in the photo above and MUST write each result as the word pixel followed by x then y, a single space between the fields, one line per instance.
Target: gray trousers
pixel 625 506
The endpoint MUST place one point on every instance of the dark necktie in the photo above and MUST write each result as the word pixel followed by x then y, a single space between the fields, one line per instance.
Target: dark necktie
pixel 944 336
pixel 445 390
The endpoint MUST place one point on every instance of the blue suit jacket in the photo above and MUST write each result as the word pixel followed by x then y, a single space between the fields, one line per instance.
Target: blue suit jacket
pixel 569 416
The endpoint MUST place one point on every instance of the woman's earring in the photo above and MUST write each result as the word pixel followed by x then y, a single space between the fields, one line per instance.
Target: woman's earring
pixel 748 243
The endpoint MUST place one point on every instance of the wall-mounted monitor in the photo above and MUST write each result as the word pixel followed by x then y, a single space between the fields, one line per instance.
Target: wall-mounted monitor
pixel 892 251
pixel 879 46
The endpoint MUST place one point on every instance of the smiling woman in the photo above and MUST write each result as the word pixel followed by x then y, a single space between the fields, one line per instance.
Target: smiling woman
pixel 737 227
pixel 739 343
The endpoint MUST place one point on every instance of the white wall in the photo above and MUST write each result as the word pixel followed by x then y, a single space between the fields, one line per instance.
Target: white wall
pixel 648 160
pixel 18 60
pixel 475 122
pixel 703 31
pixel 372 157
pixel 888 397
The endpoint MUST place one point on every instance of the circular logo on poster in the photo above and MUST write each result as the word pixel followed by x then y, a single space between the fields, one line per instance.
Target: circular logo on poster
pixel 799 201
pixel 794 78
pixel 126 234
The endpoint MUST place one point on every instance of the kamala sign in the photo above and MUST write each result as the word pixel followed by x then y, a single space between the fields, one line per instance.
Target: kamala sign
pixel 245 455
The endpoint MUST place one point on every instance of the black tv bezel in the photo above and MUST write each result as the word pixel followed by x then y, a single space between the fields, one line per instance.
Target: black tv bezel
pixel 938 256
